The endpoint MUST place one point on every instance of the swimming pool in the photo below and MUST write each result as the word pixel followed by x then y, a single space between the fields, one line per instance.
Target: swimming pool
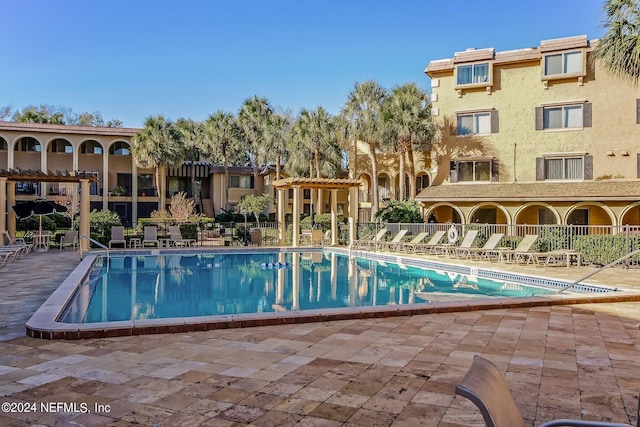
pixel 190 285
pixel 264 286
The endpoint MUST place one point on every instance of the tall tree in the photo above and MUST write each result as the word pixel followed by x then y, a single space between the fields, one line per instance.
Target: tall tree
pixel 619 49
pixel 191 134
pixel 314 137
pixel 362 111
pixel 253 120
pixel 222 138
pixel 157 145
pixel 407 123
pixel 276 140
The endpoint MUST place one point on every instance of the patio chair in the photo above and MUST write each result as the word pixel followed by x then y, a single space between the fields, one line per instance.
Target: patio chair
pixel 150 236
pixel 326 237
pixel 176 237
pixel 485 386
pixel 406 246
pixel 428 247
pixel 369 241
pixel 117 236
pixel 393 243
pixel 476 253
pixel 516 254
pixel 69 238
pixel 466 243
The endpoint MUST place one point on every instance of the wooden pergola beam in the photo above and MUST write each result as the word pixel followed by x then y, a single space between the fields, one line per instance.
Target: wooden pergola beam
pixel 35 175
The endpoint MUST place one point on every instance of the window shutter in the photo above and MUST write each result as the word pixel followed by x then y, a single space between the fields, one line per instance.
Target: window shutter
pixel 638 164
pixel 588 167
pixel 495 126
pixel 453 171
pixel 586 115
pixel 539 169
pixel 539 119
pixel 252 182
pixel 638 115
pixel 495 170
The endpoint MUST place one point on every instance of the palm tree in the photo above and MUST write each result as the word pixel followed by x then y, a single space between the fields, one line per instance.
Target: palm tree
pixel 407 121
pixel 191 136
pixel 276 139
pixel 362 111
pixel 157 145
pixel 253 120
pixel 619 49
pixel 314 139
pixel 222 137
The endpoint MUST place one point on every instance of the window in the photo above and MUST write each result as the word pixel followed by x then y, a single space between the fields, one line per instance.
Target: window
pixel 120 148
pixel 472 124
pixel 422 182
pixel 472 74
pixel 28 144
pixel 569 116
pixel 567 63
pixel 240 181
pixel 59 145
pixel 91 147
pixel 567 167
pixel 563 116
pixel 474 170
pixel 3 145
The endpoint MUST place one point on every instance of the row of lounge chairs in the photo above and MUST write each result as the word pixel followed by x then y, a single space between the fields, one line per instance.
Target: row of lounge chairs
pixel 13 248
pixel 490 250
pixel 150 237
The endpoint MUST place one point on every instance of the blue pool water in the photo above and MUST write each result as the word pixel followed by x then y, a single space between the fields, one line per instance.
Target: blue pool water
pixel 186 285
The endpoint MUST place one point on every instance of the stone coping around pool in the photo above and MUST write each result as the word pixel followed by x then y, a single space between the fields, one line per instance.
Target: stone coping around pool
pixel 44 324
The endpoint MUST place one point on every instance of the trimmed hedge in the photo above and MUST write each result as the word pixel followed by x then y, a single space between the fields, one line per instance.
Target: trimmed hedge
pixel 603 249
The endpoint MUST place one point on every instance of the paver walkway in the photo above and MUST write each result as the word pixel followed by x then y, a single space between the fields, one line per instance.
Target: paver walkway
pixel 560 361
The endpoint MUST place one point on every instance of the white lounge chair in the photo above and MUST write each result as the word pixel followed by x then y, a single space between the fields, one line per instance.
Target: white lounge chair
pixel 150 236
pixel 176 237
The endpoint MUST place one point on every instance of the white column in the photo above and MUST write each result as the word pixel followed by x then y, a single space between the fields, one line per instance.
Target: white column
pixel 3 209
pixel 11 201
pixel 134 192
pixel 84 214
pixel 353 213
pixel 43 168
pixel 297 199
pixel 334 217
pixel 282 227
pixel 105 179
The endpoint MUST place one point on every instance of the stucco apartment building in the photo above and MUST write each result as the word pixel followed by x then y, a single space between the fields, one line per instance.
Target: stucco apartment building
pixel 533 136
pixel 122 186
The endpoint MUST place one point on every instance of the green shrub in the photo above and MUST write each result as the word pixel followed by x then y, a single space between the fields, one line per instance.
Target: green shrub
pixel 33 223
pixel 321 221
pixel 603 249
pixel 400 211
pixel 101 223
pixel 189 231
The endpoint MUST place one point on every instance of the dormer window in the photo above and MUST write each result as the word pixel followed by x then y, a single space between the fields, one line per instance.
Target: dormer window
pixel 563 64
pixel 473 74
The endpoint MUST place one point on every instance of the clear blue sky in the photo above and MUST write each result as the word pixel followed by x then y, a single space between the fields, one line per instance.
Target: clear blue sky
pixel 132 59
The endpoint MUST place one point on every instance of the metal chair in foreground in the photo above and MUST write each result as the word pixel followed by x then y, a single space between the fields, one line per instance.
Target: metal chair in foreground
pixel 485 386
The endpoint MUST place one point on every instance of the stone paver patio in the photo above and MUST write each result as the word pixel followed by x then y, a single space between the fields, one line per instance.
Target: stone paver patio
pixel 580 361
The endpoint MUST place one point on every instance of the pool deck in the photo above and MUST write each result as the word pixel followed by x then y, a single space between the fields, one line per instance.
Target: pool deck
pixel 563 361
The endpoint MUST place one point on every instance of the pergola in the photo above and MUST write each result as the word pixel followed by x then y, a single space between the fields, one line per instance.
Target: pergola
pixel 333 185
pixel 8 179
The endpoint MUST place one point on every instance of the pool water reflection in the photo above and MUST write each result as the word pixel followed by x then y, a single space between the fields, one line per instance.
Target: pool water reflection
pixel 187 285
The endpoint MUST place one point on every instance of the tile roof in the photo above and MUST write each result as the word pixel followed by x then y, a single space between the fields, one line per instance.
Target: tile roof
pixel 67 129
pixel 534 191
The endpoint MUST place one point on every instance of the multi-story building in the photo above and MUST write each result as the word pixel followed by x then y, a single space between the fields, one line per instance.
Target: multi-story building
pixel 122 186
pixel 540 135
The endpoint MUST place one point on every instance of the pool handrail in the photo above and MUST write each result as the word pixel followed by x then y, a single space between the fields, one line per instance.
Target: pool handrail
pixel 604 267
pixel 95 242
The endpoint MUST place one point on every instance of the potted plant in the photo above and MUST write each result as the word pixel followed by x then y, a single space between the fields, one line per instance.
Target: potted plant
pixel 118 190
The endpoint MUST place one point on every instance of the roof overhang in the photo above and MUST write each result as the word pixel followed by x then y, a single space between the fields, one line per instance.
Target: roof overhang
pixel 581 191
pixel 31 175
pixel 316 183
